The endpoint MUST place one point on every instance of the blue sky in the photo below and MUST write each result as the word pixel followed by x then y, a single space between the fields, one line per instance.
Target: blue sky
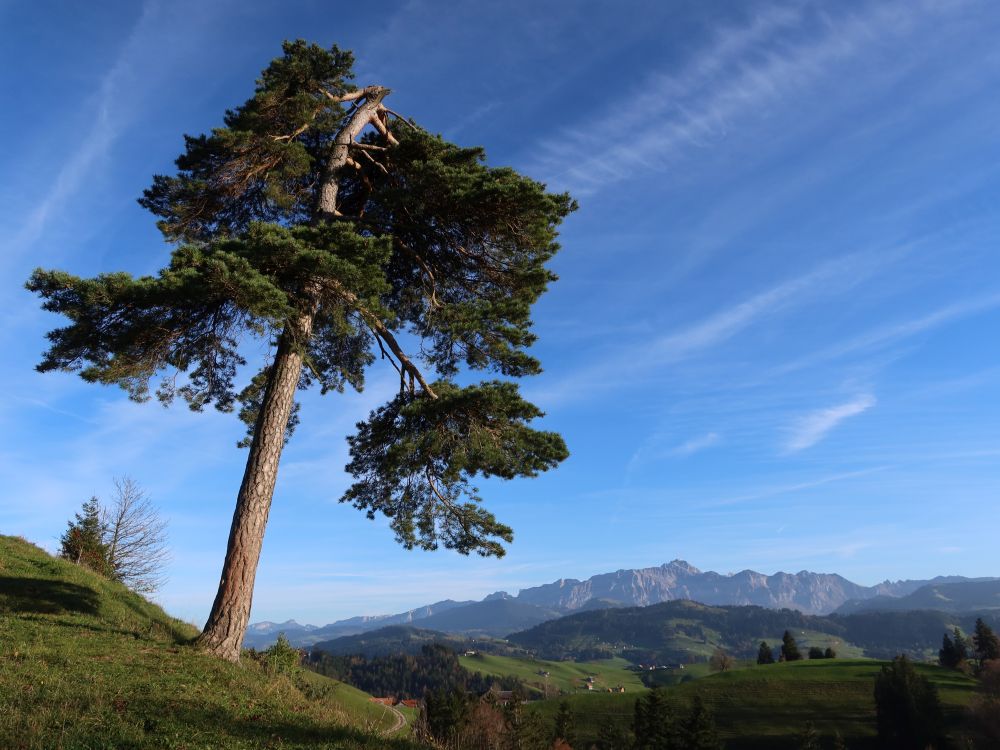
pixel 773 344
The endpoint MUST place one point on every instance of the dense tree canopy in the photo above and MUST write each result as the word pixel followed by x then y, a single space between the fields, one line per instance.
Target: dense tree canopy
pixel 318 221
pixel 907 706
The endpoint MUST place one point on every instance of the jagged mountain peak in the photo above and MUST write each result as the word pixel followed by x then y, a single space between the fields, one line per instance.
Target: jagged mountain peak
pixel 806 591
pixel 497 595
pixel 683 565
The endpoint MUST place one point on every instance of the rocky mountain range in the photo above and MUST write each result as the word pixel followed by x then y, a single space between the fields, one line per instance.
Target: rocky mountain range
pixel 975 595
pixel 502 613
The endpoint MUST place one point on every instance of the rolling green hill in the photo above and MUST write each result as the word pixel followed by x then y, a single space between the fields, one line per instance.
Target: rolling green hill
pixel 86 663
pixel 562 676
pixel 682 630
pixel 406 639
pixel 767 706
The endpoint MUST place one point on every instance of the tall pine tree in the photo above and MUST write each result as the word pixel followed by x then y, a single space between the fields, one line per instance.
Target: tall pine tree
pixel 789 648
pixel 319 222
pixel 653 725
pixel 986 642
pixel 697 731
pixel 764 654
pixel 565 724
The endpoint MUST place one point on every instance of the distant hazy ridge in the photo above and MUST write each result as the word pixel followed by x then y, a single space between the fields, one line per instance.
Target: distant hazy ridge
pixel 500 613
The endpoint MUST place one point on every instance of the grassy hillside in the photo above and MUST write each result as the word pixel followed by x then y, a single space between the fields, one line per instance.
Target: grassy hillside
pixel 684 630
pixel 85 663
pixel 564 676
pixel 765 707
pixel 406 639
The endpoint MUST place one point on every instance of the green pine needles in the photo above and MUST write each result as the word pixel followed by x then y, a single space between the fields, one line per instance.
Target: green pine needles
pixel 320 222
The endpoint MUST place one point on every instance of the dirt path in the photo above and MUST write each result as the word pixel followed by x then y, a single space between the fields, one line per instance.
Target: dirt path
pixel 400 721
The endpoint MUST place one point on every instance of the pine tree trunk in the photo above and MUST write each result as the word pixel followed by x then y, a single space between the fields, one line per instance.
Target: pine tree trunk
pixel 227 623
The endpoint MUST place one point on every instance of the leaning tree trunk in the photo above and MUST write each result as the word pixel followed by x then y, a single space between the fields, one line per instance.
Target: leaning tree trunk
pixel 227 623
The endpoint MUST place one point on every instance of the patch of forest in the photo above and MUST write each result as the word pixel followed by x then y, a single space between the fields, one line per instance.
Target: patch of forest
pixel 435 668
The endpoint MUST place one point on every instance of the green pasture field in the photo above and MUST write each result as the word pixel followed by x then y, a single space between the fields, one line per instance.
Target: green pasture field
pixel 768 706
pixel 564 676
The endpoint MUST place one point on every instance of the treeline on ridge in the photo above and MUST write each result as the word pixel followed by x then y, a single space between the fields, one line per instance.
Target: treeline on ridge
pixel 434 668
pixel 643 634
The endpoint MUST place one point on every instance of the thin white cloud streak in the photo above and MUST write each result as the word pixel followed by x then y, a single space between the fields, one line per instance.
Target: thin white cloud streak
pixel 831 277
pixel 891 334
pixel 725 324
pixel 695 445
pixel 741 74
pixel 812 428
pixel 766 494
pixel 109 122
pixel 653 448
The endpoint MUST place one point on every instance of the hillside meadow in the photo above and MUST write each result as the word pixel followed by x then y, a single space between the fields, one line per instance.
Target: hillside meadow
pixel 762 707
pixel 562 676
pixel 86 663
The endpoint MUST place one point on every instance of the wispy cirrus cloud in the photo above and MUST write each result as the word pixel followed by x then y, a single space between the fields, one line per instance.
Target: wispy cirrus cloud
pixel 829 278
pixel 742 73
pixel 152 56
pixel 108 122
pixel 696 445
pixel 776 491
pixel 811 428
pixel 893 333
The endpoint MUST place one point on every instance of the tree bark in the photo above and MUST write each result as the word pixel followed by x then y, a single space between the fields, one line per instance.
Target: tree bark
pixel 230 615
pixel 227 623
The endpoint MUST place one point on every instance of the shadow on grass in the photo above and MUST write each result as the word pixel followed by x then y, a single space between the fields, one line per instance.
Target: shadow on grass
pixel 42 596
pixel 174 630
pixel 161 718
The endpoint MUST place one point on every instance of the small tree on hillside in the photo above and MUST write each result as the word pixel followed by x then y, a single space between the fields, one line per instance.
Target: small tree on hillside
pixel 815 652
pixel 961 645
pixel 321 226
pixel 789 648
pixel 954 650
pixel 83 541
pixel 829 653
pixel 721 661
pixel 764 654
pixel 907 708
pixel 986 642
pixel 135 538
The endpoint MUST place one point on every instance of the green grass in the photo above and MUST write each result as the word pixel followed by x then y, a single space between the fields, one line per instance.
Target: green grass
pixel 766 706
pixel 806 639
pixel 85 663
pixel 564 676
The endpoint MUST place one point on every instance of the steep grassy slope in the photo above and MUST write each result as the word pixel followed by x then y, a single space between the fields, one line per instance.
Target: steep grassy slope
pixel 85 663
pixel 766 707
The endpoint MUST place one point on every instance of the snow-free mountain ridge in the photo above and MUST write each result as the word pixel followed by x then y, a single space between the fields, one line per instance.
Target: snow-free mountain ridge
pixel 808 592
